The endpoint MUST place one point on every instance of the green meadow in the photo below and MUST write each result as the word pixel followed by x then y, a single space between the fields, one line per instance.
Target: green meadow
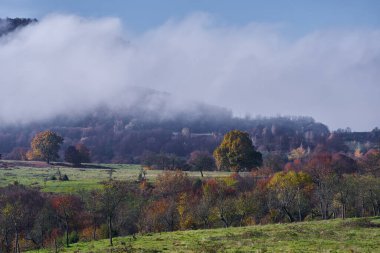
pixel 350 235
pixel 79 178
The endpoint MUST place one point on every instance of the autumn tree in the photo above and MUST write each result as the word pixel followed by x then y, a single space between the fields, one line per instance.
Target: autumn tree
pixel 19 207
pixel 171 183
pixel 160 215
pixel 173 190
pixel 185 207
pixel 246 208
pixel 320 168
pixel 77 154
pixel 94 208
pixel 227 210
pixel 367 195
pixel 201 161
pixel 110 199
pixel 345 192
pixel 236 152
pixel 45 229
pixel 370 162
pixel 221 196
pixel 67 208
pixel 45 146
pixel 289 189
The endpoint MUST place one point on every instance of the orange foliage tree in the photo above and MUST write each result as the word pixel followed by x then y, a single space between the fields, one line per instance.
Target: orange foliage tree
pixel 67 207
pixel 45 146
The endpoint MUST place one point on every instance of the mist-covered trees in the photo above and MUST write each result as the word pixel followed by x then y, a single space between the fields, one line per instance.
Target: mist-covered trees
pixel 121 138
pixel 237 153
pixel 45 146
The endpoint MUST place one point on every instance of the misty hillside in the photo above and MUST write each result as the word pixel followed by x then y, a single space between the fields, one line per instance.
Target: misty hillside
pixel 125 136
pixel 155 122
pixel 11 24
pixel 128 135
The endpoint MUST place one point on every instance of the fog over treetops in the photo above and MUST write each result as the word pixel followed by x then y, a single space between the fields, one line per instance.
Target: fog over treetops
pixel 70 65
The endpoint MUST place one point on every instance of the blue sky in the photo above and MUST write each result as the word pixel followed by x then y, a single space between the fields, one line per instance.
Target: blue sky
pixel 297 16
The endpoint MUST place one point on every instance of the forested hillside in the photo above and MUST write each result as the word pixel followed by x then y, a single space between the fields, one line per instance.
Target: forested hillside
pixel 122 137
pixel 114 136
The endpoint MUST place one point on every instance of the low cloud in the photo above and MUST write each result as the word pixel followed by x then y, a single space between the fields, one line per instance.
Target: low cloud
pixel 68 65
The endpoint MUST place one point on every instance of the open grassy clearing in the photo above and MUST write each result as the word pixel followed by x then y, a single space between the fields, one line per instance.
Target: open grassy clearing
pixel 351 235
pixel 80 178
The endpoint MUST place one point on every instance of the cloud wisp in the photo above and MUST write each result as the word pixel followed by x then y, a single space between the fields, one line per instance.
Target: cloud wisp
pixel 67 64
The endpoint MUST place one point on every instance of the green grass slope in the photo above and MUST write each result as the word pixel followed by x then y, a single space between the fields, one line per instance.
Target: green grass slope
pixel 351 235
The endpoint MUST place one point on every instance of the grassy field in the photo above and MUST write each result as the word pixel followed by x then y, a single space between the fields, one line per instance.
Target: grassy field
pixel 351 235
pixel 79 178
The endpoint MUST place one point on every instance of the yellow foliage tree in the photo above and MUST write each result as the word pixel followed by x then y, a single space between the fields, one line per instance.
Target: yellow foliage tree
pixel 237 153
pixel 45 146
pixel 287 188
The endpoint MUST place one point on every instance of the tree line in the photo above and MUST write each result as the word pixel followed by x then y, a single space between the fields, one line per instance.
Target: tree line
pixel 117 138
pixel 46 145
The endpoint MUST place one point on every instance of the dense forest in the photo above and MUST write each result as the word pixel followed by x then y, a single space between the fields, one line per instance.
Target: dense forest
pixel 124 137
